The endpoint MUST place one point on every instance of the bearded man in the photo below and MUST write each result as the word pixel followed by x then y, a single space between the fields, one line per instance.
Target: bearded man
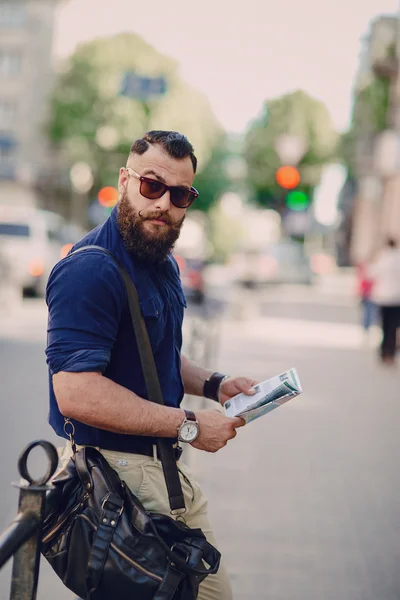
pixel 94 367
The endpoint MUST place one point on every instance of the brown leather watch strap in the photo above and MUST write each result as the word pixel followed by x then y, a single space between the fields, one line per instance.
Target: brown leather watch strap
pixel 190 415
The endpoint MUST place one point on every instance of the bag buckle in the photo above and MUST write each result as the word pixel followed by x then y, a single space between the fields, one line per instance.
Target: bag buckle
pixel 177 451
pixel 178 514
pixel 109 498
pixel 184 555
pixel 68 423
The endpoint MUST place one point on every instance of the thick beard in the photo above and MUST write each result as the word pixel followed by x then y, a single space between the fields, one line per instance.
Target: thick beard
pixel 147 246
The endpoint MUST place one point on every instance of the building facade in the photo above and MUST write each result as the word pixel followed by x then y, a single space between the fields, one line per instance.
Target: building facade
pixel 376 214
pixel 26 77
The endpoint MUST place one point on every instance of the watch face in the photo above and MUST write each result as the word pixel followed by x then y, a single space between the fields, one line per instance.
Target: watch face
pixel 188 432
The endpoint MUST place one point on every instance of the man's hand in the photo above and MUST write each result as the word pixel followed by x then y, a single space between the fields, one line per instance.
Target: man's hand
pixel 215 430
pixel 235 385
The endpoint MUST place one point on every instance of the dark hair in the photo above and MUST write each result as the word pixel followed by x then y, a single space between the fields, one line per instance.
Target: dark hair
pixel 175 144
pixel 392 243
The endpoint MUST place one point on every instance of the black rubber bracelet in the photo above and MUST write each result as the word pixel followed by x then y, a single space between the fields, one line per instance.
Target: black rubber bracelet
pixel 211 386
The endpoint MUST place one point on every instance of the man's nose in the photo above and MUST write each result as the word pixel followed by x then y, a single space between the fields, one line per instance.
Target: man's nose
pixel 163 203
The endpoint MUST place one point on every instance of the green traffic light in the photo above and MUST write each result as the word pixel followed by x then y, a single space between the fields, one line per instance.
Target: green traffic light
pixel 297 201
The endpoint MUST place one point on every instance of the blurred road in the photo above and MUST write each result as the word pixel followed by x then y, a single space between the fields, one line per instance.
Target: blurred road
pixel 305 501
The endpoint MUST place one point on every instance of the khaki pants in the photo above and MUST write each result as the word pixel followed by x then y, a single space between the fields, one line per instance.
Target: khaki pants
pixel 145 477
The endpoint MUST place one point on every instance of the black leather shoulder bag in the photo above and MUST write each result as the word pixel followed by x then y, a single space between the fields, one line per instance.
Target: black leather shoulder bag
pixel 98 537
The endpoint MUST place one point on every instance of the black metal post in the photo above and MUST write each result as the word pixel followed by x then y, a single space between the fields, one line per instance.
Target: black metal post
pixel 20 530
pixel 27 527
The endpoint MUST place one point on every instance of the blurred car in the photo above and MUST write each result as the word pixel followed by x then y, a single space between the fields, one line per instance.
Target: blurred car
pixel 282 262
pixel 192 277
pixel 33 241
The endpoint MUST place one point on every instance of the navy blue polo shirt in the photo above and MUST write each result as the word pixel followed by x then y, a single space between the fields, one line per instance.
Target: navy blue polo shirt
pixel 90 328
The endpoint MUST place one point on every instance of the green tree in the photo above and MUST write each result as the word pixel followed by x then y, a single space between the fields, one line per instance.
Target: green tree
pixel 214 179
pixel 91 122
pixel 296 114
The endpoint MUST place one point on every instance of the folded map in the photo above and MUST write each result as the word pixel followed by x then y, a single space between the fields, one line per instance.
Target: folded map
pixel 270 394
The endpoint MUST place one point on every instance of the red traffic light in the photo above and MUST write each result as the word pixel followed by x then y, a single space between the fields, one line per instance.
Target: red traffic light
pixel 287 177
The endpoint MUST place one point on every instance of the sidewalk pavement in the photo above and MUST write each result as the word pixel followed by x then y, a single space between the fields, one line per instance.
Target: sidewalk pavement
pixel 305 501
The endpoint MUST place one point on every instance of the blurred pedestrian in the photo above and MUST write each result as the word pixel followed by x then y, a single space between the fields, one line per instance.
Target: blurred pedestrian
pixel 385 272
pixel 364 289
pixel 95 373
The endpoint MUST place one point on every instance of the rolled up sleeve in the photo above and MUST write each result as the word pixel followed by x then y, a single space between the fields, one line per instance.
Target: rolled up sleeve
pixel 85 296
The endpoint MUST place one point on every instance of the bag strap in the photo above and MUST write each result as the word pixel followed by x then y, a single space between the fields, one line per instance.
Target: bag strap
pixel 111 510
pixel 169 584
pixel 165 449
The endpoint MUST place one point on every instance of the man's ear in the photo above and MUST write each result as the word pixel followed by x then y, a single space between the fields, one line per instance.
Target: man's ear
pixel 122 180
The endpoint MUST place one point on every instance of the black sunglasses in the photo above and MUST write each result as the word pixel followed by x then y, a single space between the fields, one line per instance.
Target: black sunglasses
pixel 152 189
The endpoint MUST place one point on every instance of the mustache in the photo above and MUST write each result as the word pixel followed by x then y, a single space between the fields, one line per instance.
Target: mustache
pixel 163 216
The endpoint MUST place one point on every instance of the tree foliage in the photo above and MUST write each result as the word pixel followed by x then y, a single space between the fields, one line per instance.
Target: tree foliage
pixel 86 103
pixel 214 179
pixel 296 114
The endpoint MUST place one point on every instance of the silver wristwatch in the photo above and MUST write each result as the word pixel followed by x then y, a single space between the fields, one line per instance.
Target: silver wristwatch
pixel 190 429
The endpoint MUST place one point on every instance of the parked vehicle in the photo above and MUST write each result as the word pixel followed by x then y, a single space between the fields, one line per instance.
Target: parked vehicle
pixel 281 262
pixel 32 240
pixel 192 278
pixel 190 253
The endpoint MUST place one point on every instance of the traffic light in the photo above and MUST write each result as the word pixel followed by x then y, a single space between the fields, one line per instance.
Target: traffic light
pixel 297 200
pixel 287 177
pixel 108 196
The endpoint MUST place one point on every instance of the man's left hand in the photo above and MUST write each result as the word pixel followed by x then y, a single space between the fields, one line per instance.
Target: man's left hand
pixel 235 385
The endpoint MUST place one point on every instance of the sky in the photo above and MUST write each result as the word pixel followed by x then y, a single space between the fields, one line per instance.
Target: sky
pixel 240 53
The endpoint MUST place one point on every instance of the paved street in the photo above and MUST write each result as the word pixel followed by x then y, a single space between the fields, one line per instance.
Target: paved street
pixel 305 501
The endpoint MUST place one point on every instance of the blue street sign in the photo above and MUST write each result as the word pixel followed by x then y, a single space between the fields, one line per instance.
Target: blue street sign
pixel 142 88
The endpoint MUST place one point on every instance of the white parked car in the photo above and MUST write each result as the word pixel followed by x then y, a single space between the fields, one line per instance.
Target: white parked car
pixel 33 241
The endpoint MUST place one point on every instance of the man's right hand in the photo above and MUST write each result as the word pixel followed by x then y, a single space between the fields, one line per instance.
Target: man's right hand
pixel 215 430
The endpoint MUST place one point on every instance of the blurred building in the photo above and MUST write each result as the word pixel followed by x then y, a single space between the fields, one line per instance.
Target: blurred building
pixel 376 128
pixel 26 33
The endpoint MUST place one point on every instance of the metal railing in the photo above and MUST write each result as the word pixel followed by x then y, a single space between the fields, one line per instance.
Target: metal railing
pixel 23 537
